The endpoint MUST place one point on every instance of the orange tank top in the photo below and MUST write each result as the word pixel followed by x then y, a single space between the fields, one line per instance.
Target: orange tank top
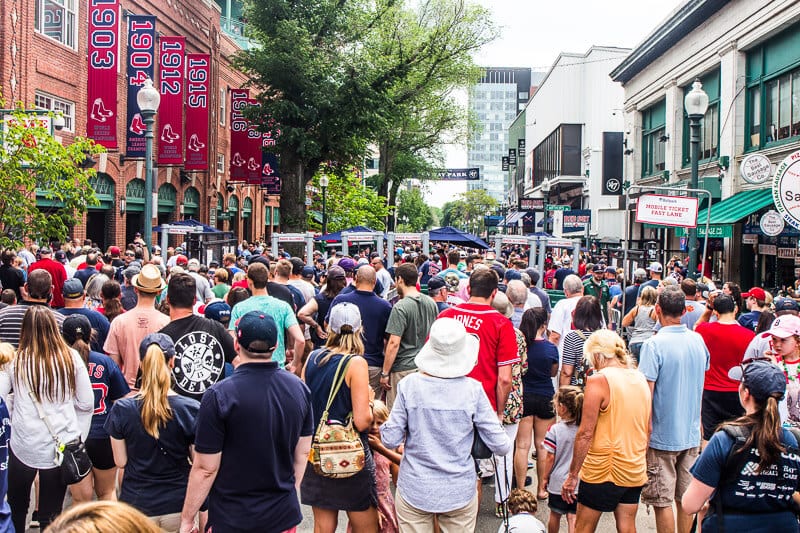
pixel 619 445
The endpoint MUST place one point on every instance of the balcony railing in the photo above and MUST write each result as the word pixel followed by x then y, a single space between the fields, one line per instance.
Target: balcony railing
pixel 237 30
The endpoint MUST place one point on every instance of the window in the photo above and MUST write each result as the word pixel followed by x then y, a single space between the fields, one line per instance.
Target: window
pixel 773 91
pixel 223 93
pixel 522 95
pixel 56 20
pixel 51 103
pixel 221 164
pixel 709 125
pixel 654 121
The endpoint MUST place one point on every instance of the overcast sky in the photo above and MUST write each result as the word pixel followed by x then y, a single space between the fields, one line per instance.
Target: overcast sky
pixel 534 32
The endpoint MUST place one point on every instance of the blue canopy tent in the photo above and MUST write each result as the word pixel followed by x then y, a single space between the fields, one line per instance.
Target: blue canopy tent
pixel 190 223
pixel 337 236
pixel 455 235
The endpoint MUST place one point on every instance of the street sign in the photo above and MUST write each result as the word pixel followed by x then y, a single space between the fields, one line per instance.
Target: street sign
pixel 665 210
pixel 559 207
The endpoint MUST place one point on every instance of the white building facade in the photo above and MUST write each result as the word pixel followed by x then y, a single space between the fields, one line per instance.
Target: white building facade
pixel 574 105
pixel 746 53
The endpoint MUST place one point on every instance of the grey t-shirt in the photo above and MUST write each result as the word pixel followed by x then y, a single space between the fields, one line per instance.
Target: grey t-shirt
pixel 411 320
pixel 559 440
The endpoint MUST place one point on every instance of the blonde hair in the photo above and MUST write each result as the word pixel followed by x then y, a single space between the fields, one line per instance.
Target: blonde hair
pixel 7 353
pixel 156 382
pixel 379 411
pixel 44 360
pixel 521 501
pixel 239 276
pixel 607 345
pixel 571 398
pixel 346 343
pixel 102 516
pixel 649 296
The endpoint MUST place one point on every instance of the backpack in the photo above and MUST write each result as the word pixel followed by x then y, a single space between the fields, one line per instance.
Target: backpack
pixel 580 369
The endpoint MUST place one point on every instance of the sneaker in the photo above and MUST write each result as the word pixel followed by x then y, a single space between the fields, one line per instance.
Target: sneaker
pixel 499 510
pixel 531 464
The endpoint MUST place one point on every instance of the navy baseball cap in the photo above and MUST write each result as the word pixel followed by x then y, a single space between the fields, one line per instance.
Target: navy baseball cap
pixel 255 327
pixel 512 274
pixel 761 378
pixel 219 311
pixel 162 340
pixel 436 283
pixel 308 272
pixel 73 288
pixel 786 304
pixel 599 267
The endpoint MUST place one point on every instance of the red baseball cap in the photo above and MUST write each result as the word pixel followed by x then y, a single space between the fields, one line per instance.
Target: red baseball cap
pixel 114 250
pixel 757 293
pixel 181 260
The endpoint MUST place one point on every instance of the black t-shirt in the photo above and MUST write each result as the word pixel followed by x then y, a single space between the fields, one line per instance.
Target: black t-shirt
pixel 157 471
pixel 202 347
pixel 631 294
pixel 281 292
pixel 562 273
pixel 255 418
pixel 12 278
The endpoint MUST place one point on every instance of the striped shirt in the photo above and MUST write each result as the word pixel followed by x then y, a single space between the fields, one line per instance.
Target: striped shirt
pixel 11 321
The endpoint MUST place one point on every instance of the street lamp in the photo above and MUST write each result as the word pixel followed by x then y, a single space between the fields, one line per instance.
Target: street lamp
pixel 546 193
pixel 323 182
pixel 696 104
pixel 148 99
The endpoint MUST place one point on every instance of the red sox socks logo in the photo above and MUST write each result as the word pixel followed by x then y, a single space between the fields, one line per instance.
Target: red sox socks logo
pixel 237 160
pixel 137 124
pixel 267 170
pixel 99 111
pixel 194 143
pixel 168 135
pixel 252 165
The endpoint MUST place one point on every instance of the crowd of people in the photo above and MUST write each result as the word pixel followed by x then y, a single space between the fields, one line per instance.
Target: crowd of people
pixel 219 397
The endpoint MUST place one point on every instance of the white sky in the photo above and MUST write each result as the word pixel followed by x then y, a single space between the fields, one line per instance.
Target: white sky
pixel 534 32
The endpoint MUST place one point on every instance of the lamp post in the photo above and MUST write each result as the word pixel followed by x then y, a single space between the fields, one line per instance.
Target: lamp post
pixel 323 182
pixel 546 193
pixel 148 99
pixel 696 104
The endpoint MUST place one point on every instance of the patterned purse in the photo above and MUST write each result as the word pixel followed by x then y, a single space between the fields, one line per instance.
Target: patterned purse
pixel 337 450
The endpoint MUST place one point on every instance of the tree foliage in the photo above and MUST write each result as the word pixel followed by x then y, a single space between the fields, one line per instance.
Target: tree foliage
pixel 413 214
pixel 468 209
pixel 348 203
pixel 31 161
pixel 337 74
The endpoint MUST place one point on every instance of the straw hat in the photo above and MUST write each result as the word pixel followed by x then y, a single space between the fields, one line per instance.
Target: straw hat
pixel 149 280
pixel 450 351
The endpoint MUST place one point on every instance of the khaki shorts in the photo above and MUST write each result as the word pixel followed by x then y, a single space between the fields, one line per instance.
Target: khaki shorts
pixel 667 475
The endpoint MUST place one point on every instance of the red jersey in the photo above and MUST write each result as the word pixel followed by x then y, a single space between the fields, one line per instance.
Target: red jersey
pixel 59 275
pixel 726 345
pixel 498 343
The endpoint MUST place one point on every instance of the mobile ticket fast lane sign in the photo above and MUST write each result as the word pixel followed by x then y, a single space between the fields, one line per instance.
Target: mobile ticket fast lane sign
pixel 198 73
pixel 679 211
pixel 141 66
pixel 171 57
pixel 101 123
pixel 786 189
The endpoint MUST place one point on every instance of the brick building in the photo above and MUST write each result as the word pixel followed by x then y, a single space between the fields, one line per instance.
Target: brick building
pixel 43 64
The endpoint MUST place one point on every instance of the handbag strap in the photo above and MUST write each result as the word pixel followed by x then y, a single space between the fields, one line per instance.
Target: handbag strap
pixel 338 379
pixel 43 416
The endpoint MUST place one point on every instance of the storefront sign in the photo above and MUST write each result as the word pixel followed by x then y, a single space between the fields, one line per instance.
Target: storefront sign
pixel 678 211
pixel 786 189
pixel 531 204
pixel 767 249
pixel 771 223
pixel 577 220
pixel 750 238
pixel 787 253
pixel 714 231
pixel 755 169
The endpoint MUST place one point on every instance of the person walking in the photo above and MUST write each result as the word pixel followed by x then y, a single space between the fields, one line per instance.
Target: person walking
pixel 436 415
pixel 39 292
pixel 151 437
pixel 51 388
pixel 56 271
pixel 314 313
pixel 74 304
pixel 253 437
pixel 587 318
pixel 642 321
pixel 674 363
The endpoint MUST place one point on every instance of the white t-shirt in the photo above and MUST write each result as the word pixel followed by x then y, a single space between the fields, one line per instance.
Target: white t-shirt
pixel 561 319
pixel 386 280
pixel 523 523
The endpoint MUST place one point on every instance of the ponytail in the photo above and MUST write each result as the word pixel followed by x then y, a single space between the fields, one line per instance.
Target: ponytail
pixel 765 432
pixel 571 397
pixel 156 382
pixel 83 350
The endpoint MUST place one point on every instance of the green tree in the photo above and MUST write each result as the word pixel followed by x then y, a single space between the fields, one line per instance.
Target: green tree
pixel 468 209
pixel 32 161
pixel 348 203
pixel 413 214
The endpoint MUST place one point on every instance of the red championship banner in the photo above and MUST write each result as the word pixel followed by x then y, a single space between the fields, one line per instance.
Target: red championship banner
pixel 198 73
pixel 101 124
pixel 170 112
pixel 254 149
pixel 240 142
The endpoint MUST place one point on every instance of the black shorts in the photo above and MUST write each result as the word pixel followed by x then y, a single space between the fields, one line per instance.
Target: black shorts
pixel 100 453
pixel 557 504
pixel 605 497
pixel 538 406
pixel 719 407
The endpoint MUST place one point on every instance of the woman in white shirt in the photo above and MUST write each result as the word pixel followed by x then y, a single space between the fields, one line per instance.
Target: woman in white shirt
pixel 54 374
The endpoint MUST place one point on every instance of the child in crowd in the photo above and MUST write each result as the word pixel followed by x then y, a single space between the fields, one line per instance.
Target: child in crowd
pixel 557 445
pixel 386 461
pixel 521 507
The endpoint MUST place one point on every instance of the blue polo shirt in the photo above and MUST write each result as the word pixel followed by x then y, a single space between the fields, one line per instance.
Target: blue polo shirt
pixel 375 313
pixel 255 419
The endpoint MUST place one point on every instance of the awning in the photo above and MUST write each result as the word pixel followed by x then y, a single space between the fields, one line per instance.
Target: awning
pixel 738 206
pixel 513 218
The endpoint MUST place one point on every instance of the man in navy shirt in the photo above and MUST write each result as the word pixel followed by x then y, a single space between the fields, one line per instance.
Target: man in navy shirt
pixel 260 420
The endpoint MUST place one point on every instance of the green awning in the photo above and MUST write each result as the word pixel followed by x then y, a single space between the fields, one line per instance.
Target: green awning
pixel 738 206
